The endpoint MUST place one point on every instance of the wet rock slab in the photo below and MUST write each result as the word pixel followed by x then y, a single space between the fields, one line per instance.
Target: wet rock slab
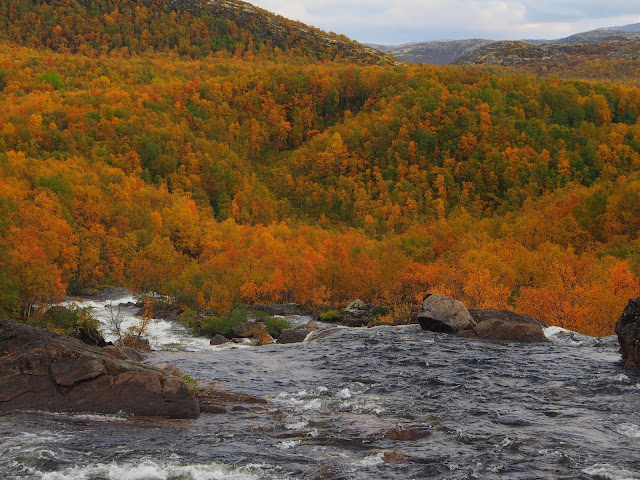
pixel 42 370
pixel 220 401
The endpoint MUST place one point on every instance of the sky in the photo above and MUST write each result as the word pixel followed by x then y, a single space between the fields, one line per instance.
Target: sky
pixel 402 21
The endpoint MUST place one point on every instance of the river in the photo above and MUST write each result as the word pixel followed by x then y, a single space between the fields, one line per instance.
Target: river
pixel 380 403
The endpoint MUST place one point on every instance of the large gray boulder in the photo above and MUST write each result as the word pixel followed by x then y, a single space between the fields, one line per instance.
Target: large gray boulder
pixel 444 314
pixel 357 314
pixel 218 340
pixel 505 325
pixel 355 306
pixel 42 370
pixel 628 331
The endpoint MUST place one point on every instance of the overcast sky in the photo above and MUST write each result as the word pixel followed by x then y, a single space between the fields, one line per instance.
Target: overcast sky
pixel 401 21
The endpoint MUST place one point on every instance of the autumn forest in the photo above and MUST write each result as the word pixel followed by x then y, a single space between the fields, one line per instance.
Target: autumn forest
pixel 213 164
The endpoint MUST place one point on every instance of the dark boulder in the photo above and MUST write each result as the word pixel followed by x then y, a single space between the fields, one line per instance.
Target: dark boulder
pixel 90 336
pixel 356 306
pixel 628 331
pixel 355 320
pixel 42 370
pixel 255 330
pixel 444 314
pixel 505 325
pixel 166 312
pixel 294 335
pixel 357 314
pixel 218 340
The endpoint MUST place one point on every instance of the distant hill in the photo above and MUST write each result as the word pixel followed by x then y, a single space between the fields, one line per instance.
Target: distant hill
pixel 439 52
pixel 633 27
pixel 616 44
pixel 601 34
pixel 511 53
pixel 187 27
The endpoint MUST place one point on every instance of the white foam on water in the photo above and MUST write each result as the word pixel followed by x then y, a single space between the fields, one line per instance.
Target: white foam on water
pixel 358 388
pixel 350 399
pixel 315 404
pixel 362 406
pixel 91 417
pixel 498 467
pixel 372 460
pixel 149 470
pixel 629 430
pixel 161 334
pixel 31 442
pixel 568 338
pixel 18 451
pixel 505 443
pixel 296 425
pixel 609 472
pixel 288 400
pixel 288 444
pixel 344 393
pixel 309 336
pixel 301 400
pixel 545 452
pixel 622 378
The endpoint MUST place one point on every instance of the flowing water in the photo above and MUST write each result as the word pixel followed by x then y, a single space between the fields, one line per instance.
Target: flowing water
pixel 381 403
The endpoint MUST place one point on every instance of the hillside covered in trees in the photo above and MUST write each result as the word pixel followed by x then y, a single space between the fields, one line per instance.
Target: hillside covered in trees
pixel 193 28
pixel 248 170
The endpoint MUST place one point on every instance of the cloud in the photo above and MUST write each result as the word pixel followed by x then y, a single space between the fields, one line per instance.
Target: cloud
pixel 414 20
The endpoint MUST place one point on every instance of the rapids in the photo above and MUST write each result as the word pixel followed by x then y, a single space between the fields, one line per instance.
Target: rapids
pixel 380 403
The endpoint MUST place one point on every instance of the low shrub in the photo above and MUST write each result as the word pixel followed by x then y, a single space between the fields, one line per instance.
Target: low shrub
pixel 213 325
pixel 397 312
pixel 192 384
pixel 275 325
pixel 379 311
pixel 331 316
pixel 66 319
